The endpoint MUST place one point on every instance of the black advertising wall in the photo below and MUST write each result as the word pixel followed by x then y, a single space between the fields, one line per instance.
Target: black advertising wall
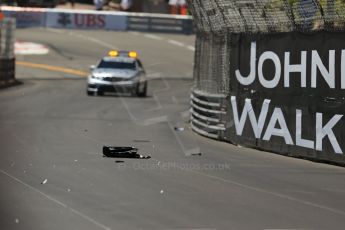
pixel 288 93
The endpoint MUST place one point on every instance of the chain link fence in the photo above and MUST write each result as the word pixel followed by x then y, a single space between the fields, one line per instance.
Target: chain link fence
pixel 218 24
pixel 216 20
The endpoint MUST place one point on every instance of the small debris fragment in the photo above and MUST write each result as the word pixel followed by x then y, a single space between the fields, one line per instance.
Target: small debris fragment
pixel 85 130
pixel 75 160
pixel 162 192
pixel 179 129
pixel 196 154
pixel 142 141
pixel 16 221
pixel 45 181
pixel 158 163
pixel 119 161
pixel 68 190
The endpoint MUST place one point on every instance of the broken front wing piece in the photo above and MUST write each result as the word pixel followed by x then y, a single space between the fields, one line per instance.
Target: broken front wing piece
pixel 122 152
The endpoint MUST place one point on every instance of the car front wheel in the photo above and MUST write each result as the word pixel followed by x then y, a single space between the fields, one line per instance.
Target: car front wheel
pixel 142 90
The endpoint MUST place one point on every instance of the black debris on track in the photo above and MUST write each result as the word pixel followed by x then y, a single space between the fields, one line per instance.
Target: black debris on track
pixel 122 152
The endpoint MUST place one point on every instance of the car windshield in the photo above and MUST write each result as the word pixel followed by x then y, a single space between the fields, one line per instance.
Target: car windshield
pixel 116 65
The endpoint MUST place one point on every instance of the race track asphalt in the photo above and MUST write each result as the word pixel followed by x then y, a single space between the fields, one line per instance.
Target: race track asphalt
pixel 53 175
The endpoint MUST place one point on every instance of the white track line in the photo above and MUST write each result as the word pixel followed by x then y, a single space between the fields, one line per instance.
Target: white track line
pixel 134 32
pixel 55 30
pixel 152 36
pixel 88 38
pixel 192 48
pixel 170 41
pixel 176 43
pixel 279 195
pixel 56 201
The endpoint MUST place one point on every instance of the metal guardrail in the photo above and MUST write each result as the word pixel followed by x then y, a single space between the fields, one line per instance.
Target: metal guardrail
pixel 208 113
pixel 159 23
pixel 7 59
pixel 91 19
pixel 7 27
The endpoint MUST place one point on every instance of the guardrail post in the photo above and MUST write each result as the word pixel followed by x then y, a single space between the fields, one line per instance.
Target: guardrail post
pixel 7 59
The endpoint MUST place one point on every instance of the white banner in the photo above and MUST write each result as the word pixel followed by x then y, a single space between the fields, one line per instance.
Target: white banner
pixel 85 20
pixel 81 19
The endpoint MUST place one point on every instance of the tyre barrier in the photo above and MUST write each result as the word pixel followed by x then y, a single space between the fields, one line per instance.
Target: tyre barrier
pixel 161 23
pixel 7 72
pixel 208 113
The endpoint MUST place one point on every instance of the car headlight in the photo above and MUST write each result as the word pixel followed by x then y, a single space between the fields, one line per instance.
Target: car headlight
pixel 94 77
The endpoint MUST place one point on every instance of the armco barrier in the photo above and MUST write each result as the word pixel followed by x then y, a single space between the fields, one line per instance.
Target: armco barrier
pixel 7 28
pixel 104 20
pixel 7 59
pixel 159 23
pixel 26 17
pixel 270 75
